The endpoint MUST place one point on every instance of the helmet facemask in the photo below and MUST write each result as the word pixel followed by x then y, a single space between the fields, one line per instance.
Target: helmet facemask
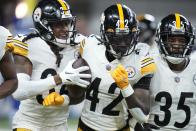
pixel 120 43
pixel 63 31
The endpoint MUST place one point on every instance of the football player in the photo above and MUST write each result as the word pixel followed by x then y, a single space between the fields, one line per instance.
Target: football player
pixel 172 90
pixel 8 78
pixel 116 64
pixel 147 26
pixel 45 69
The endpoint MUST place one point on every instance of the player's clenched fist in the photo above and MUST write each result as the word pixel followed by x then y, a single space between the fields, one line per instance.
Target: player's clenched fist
pixel 55 99
pixel 120 76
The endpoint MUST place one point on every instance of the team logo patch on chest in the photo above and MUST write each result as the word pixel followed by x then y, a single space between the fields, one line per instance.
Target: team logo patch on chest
pixel 131 71
pixel 194 79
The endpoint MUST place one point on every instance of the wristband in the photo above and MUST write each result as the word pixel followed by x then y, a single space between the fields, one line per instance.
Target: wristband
pixel 127 91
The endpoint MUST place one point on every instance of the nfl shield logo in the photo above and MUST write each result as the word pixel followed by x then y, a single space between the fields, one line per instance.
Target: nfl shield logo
pixel 177 79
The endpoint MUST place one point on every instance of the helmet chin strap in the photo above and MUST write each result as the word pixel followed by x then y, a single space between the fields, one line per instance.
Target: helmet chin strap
pixel 61 43
pixel 174 60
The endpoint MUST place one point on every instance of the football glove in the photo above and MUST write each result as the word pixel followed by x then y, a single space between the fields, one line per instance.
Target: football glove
pixel 73 76
pixel 54 99
pixel 120 76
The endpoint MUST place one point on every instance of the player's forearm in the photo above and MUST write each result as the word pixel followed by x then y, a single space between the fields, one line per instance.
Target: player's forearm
pixel 28 88
pixel 134 102
pixel 136 108
pixel 8 87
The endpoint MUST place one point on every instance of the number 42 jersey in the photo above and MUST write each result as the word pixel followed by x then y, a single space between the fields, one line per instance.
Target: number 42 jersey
pixel 173 97
pixel 104 108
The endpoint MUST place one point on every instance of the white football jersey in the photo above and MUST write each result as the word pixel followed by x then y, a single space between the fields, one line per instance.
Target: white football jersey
pixel 5 37
pixel 104 108
pixel 173 97
pixel 31 111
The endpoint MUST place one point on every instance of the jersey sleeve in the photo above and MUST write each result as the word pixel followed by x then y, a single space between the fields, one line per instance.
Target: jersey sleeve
pixel 148 65
pixel 142 64
pixel 20 47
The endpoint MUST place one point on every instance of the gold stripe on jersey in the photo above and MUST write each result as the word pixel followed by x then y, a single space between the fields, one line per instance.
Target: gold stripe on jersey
pixel 64 6
pixel 178 22
pixel 121 15
pixel 21 129
pixel 9 46
pixel 82 44
pixel 21 43
pixel 147 60
pixel 20 48
pixel 148 68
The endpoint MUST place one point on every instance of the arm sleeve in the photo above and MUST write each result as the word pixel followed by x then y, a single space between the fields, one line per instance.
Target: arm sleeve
pixel 28 88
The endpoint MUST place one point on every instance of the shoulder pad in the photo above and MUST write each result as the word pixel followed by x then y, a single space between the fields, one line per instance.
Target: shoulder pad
pixel 142 49
pixel 91 39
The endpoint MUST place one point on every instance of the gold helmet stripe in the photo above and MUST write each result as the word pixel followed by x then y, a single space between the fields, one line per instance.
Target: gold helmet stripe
pixel 64 6
pixel 121 15
pixel 178 20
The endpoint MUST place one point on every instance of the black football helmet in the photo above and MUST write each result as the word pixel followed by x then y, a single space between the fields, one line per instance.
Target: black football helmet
pixel 119 30
pixel 175 25
pixel 48 12
pixel 147 26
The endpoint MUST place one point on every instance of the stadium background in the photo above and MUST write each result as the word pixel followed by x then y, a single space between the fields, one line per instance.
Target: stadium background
pixel 16 16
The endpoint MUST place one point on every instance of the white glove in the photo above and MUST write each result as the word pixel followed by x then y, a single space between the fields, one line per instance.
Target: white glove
pixel 73 76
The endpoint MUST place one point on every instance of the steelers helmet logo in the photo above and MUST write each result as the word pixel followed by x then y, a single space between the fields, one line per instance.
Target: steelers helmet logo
pixel 37 14
pixel 131 71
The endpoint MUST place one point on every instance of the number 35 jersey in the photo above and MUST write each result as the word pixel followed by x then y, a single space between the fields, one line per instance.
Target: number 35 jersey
pixel 104 108
pixel 44 64
pixel 173 97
